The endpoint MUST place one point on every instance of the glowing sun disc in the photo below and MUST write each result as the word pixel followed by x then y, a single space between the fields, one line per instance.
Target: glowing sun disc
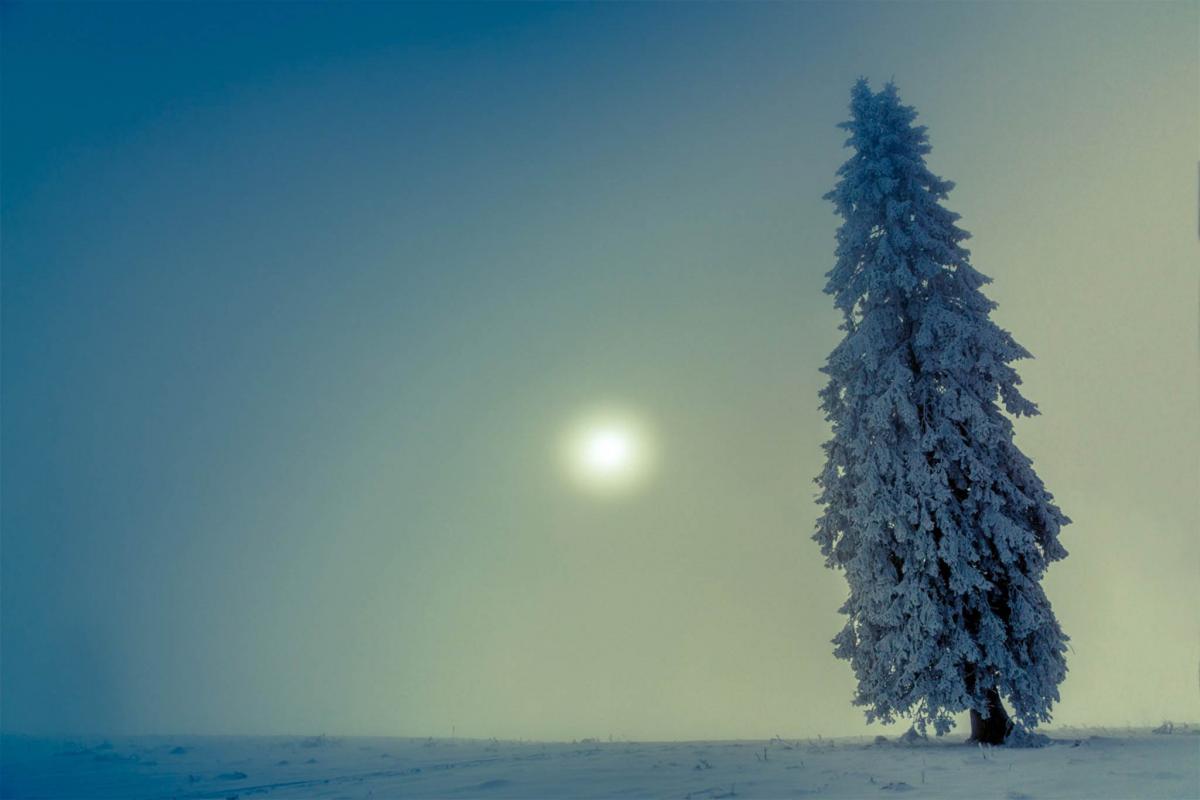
pixel 608 452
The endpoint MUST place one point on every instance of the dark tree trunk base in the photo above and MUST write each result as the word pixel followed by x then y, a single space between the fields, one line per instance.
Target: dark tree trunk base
pixel 994 728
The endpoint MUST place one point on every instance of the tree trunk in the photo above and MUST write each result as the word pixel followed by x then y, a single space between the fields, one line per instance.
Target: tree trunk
pixel 995 727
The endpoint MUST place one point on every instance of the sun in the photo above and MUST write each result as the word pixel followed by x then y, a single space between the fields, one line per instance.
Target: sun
pixel 608 452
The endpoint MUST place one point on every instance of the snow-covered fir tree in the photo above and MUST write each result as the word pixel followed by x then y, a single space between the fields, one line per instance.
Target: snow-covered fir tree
pixel 938 520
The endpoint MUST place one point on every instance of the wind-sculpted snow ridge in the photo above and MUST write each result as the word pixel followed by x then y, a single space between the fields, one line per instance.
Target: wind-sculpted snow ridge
pixel 1095 765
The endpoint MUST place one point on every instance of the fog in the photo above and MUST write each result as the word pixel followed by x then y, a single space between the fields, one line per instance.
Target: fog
pixel 299 302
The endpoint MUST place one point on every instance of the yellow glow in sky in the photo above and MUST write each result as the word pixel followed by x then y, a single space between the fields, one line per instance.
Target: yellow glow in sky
pixel 608 452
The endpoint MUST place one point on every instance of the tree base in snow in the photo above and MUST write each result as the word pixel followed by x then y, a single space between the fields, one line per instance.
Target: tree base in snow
pixel 995 727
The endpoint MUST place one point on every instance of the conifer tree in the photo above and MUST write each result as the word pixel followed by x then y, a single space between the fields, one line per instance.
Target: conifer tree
pixel 939 522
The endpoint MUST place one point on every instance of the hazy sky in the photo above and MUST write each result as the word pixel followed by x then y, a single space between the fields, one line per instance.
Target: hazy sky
pixel 298 300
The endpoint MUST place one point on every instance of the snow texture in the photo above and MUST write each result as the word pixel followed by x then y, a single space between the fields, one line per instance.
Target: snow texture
pixel 938 520
pixel 1123 765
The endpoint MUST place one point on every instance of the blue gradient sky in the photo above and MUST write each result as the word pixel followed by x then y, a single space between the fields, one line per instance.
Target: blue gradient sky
pixel 298 298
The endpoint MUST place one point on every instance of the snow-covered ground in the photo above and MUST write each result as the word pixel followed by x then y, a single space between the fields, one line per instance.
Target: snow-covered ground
pixel 1089 764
